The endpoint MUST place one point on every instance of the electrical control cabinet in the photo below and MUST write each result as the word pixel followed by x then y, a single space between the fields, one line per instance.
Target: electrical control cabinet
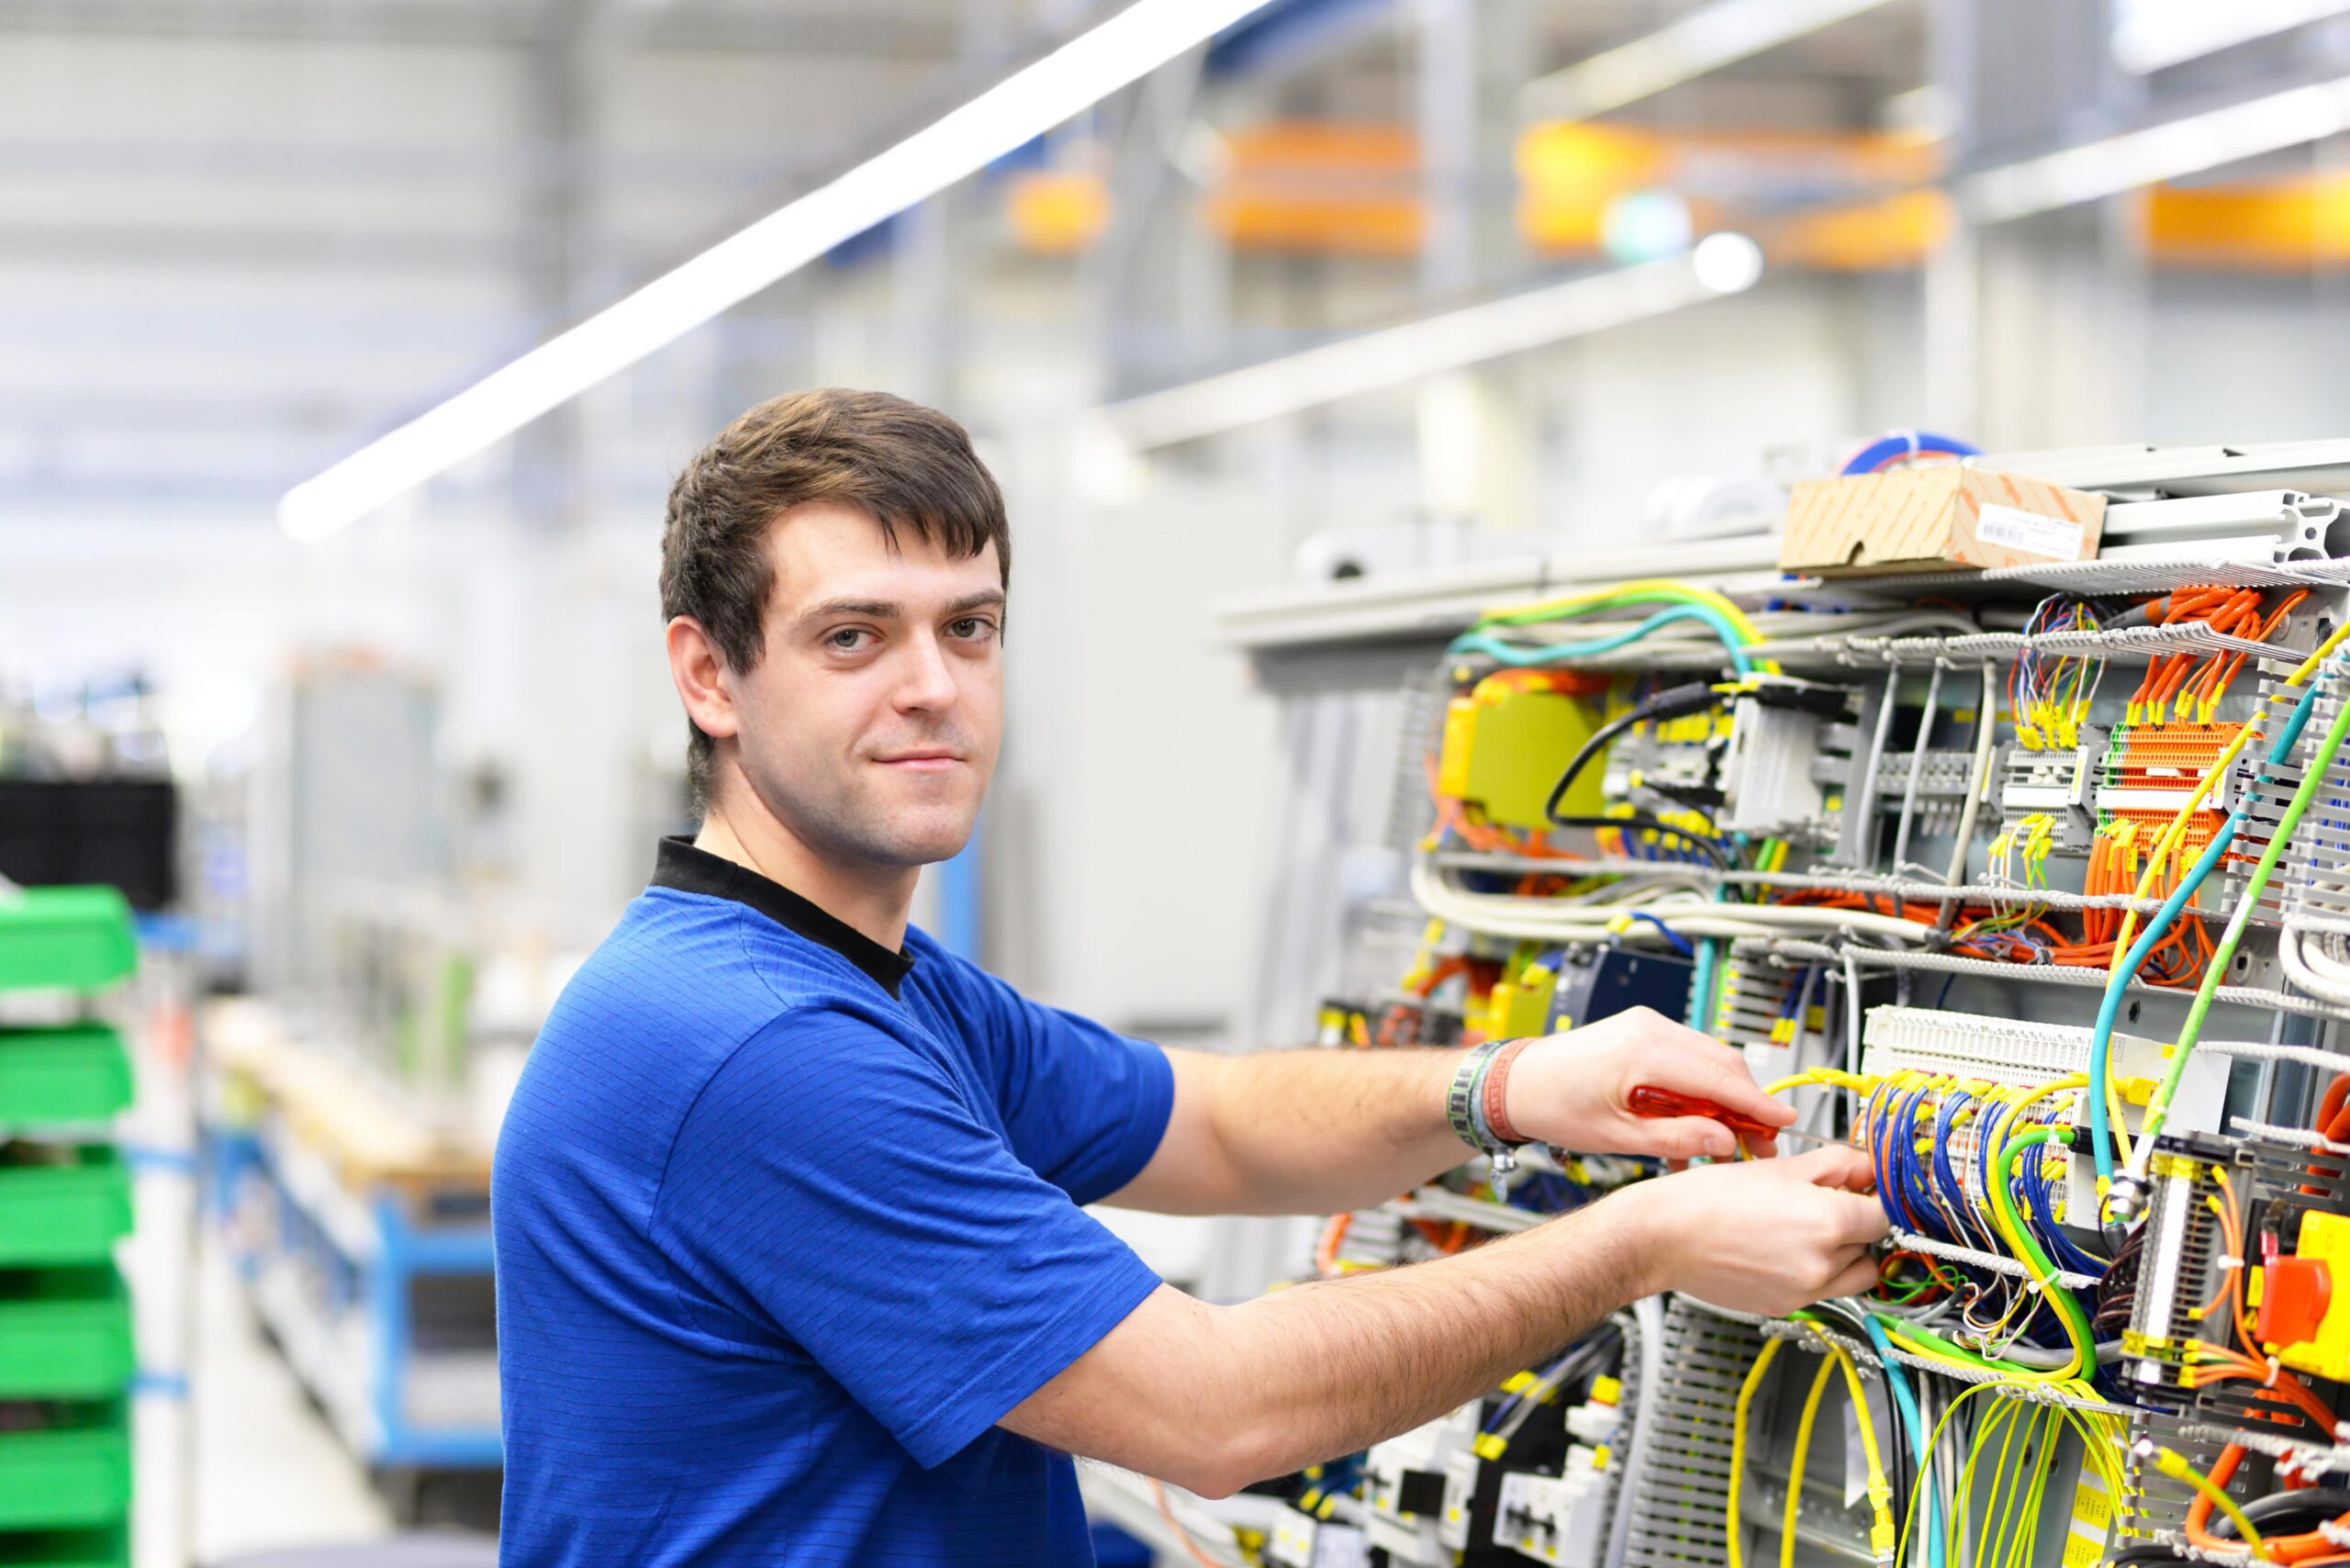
pixel 2033 884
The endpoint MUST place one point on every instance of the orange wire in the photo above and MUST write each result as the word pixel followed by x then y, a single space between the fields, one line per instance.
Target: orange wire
pixel 1159 1495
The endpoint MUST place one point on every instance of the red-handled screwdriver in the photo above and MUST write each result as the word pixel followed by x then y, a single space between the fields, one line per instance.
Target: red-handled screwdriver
pixel 1649 1100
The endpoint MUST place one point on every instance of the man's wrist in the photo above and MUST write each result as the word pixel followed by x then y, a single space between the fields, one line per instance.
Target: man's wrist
pixel 1640 1237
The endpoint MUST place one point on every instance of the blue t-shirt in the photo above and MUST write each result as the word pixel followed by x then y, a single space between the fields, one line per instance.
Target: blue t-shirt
pixel 784 1223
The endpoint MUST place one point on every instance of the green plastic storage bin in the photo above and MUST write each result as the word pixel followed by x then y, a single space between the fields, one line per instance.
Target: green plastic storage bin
pixel 56 1214
pixel 64 1334
pixel 73 1476
pixel 53 1077
pixel 68 1548
pixel 76 938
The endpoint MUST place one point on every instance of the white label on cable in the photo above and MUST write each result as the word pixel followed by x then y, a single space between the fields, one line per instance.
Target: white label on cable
pixel 2030 532
pixel 1856 1458
pixel 1856 1454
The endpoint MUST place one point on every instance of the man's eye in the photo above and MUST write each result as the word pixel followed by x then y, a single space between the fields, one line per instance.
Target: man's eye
pixel 971 626
pixel 847 637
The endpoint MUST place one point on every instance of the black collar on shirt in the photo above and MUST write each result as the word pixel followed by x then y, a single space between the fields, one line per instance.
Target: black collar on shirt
pixel 690 871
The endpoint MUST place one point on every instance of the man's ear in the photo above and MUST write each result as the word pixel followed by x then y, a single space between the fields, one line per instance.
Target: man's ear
pixel 700 672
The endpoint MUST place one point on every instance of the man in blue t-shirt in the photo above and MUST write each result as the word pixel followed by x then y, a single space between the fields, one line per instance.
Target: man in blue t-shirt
pixel 791 1262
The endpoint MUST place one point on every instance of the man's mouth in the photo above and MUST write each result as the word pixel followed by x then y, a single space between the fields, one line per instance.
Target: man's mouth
pixel 923 759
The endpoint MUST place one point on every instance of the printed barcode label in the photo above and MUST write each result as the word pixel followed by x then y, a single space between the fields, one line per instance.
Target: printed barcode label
pixel 2030 532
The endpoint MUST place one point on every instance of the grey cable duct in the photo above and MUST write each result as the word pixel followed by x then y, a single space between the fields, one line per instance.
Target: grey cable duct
pixel 1647 1339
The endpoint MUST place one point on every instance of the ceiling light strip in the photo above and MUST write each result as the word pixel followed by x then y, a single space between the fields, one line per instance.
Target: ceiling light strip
pixel 1023 106
pixel 1429 345
pixel 1697 44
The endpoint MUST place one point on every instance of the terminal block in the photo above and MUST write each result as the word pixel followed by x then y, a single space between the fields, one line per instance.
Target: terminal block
pixel 2152 771
pixel 2058 785
pixel 2022 1051
pixel 1405 1487
pixel 1298 1539
pixel 2275 1217
pixel 1944 776
pixel 1668 766
pixel 1559 1520
pixel 1765 1004
pixel 1779 756
pixel 2312 876
pixel 1545 1493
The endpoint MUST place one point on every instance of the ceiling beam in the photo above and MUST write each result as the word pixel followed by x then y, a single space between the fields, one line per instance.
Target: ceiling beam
pixel 839 29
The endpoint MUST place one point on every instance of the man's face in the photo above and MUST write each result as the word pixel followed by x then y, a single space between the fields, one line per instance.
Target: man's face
pixel 870 727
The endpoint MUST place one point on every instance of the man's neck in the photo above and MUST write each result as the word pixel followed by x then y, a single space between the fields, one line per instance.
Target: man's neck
pixel 874 901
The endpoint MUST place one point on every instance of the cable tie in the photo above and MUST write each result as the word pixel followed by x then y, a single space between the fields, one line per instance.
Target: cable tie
pixel 2275 1371
pixel 2228 1261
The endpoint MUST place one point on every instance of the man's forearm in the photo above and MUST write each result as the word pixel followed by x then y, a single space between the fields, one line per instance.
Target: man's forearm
pixel 1325 1369
pixel 1325 1131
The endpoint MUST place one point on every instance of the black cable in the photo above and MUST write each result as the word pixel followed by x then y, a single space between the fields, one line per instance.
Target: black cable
pixel 2286 1513
pixel 1675 702
pixel 1711 848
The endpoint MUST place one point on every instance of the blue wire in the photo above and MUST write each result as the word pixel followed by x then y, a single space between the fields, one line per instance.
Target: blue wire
pixel 1871 456
pixel 1680 943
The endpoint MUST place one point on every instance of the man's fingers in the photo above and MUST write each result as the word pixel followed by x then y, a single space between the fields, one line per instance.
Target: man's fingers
pixel 1686 1137
pixel 1858 1220
pixel 1853 1278
pixel 1839 1165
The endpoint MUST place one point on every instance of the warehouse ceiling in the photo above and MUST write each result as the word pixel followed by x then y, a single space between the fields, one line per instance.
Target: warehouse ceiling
pixel 238 237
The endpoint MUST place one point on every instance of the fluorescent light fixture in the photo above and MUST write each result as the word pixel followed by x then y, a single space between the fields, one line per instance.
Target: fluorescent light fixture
pixel 1705 41
pixel 1413 351
pixel 2172 151
pixel 1024 104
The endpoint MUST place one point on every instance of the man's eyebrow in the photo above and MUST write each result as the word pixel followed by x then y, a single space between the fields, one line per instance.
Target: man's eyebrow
pixel 871 609
pixel 887 609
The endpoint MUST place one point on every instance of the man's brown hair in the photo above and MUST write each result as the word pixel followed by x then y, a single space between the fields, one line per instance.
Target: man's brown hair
pixel 902 464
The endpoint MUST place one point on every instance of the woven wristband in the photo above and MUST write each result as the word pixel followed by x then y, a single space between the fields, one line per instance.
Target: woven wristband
pixel 1463 1109
pixel 1495 1093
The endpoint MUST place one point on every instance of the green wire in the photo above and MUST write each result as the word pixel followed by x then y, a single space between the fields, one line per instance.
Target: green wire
pixel 2003 1196
pixel 2312 780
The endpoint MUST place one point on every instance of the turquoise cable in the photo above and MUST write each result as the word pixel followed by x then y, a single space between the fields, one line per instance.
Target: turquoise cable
pixel 1897 1381
pixel 1517 657
pixel 2109 1009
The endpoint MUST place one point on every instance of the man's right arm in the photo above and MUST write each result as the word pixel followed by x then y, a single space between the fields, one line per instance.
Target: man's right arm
pixel 1216 1397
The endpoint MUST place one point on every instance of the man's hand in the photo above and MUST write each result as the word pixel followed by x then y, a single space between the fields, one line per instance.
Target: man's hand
pixel 1765 1238
pixel 1572 1089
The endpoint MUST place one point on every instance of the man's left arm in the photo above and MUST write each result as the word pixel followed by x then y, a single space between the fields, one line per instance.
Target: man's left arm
pixel 1325 1130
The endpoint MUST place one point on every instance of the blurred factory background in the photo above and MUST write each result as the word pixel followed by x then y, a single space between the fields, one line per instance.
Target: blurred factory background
pixel 1339 287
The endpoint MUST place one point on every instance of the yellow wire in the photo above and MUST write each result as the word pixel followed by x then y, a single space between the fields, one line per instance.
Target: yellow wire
pixel 2035 1500
pixel 1880 1491
pixel 1664 586
pixel 1834 1078
pixel 1995 1517
pixel 1738 1444
pixel 2173 1464
pixel 1802 1453
pixel 1933 1446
